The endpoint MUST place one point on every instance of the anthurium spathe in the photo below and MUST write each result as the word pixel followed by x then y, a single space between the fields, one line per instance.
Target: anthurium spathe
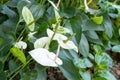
pixel 42 43
pixel 61 38
pixel 28 17
pixel 21 45
pixel 45 58
pixel 57 36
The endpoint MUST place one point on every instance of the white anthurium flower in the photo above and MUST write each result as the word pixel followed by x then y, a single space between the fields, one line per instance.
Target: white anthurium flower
pixel 45 58
pixel 87 9
pixel 28 17
pixel 42 43
pixel 31 34
pixel 57 35
pixel 21 45
pixel 68 45
pixel 61 38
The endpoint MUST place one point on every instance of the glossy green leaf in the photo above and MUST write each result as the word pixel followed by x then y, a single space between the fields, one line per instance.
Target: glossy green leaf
pixel 37 10
pixel 12 66
pixel 84 46
pixel 97 49
pixel 69 12
pixel 116 48
pixel 18 54
pixel 93 37
pixel 41 74
pixel 83 63
pixel 108 26
pixel 68 68
pixel 76 27
pixel 98 78
pixel 103 59
pixel 1 66
pixel 3 76
pixel 85 75
pixel 89 25
pixel 107 75
pixel 97 20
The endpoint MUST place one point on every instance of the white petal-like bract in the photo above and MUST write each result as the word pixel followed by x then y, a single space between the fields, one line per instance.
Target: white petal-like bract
pixel 42 43
pixel 57 35
pixel 60 38
pixel 68 45
pixel 45 58
pixel 27 16
pixel 21 45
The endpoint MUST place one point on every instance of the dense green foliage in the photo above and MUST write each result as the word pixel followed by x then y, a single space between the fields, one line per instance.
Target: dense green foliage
pixel 96 31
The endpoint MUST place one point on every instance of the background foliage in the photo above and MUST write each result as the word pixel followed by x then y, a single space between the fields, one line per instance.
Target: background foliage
pixel 95 34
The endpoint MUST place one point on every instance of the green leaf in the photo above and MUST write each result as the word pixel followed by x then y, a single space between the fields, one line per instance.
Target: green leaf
pixel 41 74
pixel 68 69
pixel 69 12
pixel 85 75
pixel 116 48
pixel 93 37
pixel 1 66
pixel 104 59
pixel 97 49
pixel 84 46
pixel 76 27
pixel 37 10
pixel 13 3
pixel 89 25
pixel 83 63
pixel 97 20
pixel 98 78
pixel 18 54
pixel 3 76
pixel 107 75
pixel 12 66
pixel 1 41
pixel 27 16
pixel 108 26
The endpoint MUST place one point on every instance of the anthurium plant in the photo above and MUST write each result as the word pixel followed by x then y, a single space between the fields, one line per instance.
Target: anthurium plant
pixel 70 35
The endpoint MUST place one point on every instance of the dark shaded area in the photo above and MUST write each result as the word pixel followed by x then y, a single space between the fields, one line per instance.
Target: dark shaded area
pixel 54 74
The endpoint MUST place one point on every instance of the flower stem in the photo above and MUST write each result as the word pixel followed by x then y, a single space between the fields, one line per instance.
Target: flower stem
pixel 89 2
pixel 65 41
pixel 56 28
pixel 57 53
pixel 18 69
pixel 58 3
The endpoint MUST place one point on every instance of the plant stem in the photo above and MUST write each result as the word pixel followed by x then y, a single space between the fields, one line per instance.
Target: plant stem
pixel 56 28
pixel 89 2
pixel 65 41
pixel 6 57
pixel 58 3
pixel 21 67
pixel 57 53
pixel 17 26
